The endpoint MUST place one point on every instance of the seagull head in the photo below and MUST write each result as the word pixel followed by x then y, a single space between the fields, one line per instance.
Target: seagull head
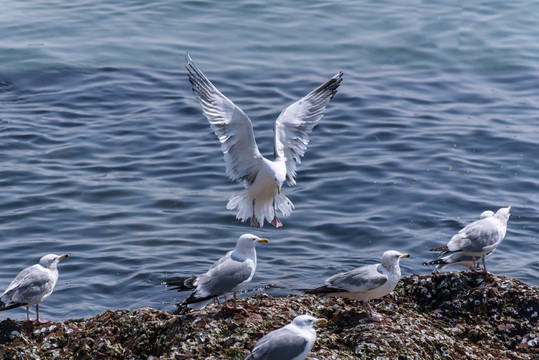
pixel 279 181
pixel 307 321
pixel 51 261
pixel 391 258
pixel 249 241
pixel 503 214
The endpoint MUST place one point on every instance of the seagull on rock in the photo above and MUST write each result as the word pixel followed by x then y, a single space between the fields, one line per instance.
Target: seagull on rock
pixel 479 238
pixel 227 275
pixel 32 285
pixel 366 282
pixel 291 342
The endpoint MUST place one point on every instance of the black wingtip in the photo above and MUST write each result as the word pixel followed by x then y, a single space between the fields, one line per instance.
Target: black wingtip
pixel 193 299
pixel 181 284
pixel 322 290
pixel 7 307
pixel 440 248
pixel 434 262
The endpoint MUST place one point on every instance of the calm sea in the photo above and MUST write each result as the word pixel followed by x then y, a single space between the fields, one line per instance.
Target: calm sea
pixel 105 154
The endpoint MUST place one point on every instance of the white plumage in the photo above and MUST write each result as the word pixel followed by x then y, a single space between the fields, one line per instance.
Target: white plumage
pixel 366 282
pixel 480 237
pixel 227 275
pixel 291 342
pixel 32 285
pixel 262 178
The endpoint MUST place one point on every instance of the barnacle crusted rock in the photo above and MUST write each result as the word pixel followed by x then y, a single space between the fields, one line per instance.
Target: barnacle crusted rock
pixel 444 316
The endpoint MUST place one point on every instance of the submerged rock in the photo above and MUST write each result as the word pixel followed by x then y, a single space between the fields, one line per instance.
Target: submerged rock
pixel 443 316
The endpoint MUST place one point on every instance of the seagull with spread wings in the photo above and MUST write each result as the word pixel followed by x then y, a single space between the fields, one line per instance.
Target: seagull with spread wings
pixel 262 178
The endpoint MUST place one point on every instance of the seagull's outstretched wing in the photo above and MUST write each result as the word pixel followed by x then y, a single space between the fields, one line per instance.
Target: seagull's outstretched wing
pixel 231 126
pixel 296 122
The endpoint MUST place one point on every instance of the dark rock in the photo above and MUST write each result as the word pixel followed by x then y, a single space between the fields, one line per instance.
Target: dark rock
pixel 443 316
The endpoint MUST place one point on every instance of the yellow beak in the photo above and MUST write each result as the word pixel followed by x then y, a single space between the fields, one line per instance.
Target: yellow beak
pixel 279 189
pixel 405 255
pixel 62 257
pixel 321 321
pixel 263 241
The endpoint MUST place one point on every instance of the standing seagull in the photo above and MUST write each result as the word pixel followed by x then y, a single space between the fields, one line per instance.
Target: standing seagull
pixel 32 285
pixel 457 258
pixel 228 274
pixel 366 282
pixel 479 238
pixel 291 342
pixel 261 177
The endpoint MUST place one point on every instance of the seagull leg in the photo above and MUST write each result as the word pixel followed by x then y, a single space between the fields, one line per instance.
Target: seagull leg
pixel 372 315
pixel 276 222
pixel 37 316
pixel 485 266
pixel 236 307
pixel 254 221
pixel 28 313
pixel 474 268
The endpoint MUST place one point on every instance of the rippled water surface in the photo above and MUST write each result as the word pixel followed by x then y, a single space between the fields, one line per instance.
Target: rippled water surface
pixel 105 154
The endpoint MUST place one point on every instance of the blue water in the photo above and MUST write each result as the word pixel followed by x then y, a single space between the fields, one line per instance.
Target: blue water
pixel 105 154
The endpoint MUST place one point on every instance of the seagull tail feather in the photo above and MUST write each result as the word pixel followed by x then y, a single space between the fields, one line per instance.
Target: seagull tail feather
pixel 242 202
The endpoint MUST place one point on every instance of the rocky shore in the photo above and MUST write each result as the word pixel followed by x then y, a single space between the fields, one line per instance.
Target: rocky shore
pixel 460 315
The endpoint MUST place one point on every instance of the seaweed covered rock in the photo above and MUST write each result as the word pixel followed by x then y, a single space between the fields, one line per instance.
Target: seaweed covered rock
pixel 443 316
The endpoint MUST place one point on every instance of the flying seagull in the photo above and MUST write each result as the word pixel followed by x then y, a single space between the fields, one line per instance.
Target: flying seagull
pixel 262 178
pixel 291 342
pixel 228 274
pixel 366 282
pixel 479 238
pixel 32 285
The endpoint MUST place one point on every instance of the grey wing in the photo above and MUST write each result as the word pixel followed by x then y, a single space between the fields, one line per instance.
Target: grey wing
pixel 475 236
pixel 223 278
pixel 30 284
pixel 361 279
pixel 278 345
pixel 222 260
pixel 295 123
pixel 231 126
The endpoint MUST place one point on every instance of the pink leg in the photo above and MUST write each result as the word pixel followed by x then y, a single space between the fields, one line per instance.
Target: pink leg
pixel 372 315
pixel 474 264
pixel 28 313
pixel 485 266
pixel 254 221
pixel 37 316
pixel 276 222
pixel 236 307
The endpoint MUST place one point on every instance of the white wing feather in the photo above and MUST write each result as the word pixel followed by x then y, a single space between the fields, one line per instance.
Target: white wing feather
pixel 231 126
pixel 296 122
